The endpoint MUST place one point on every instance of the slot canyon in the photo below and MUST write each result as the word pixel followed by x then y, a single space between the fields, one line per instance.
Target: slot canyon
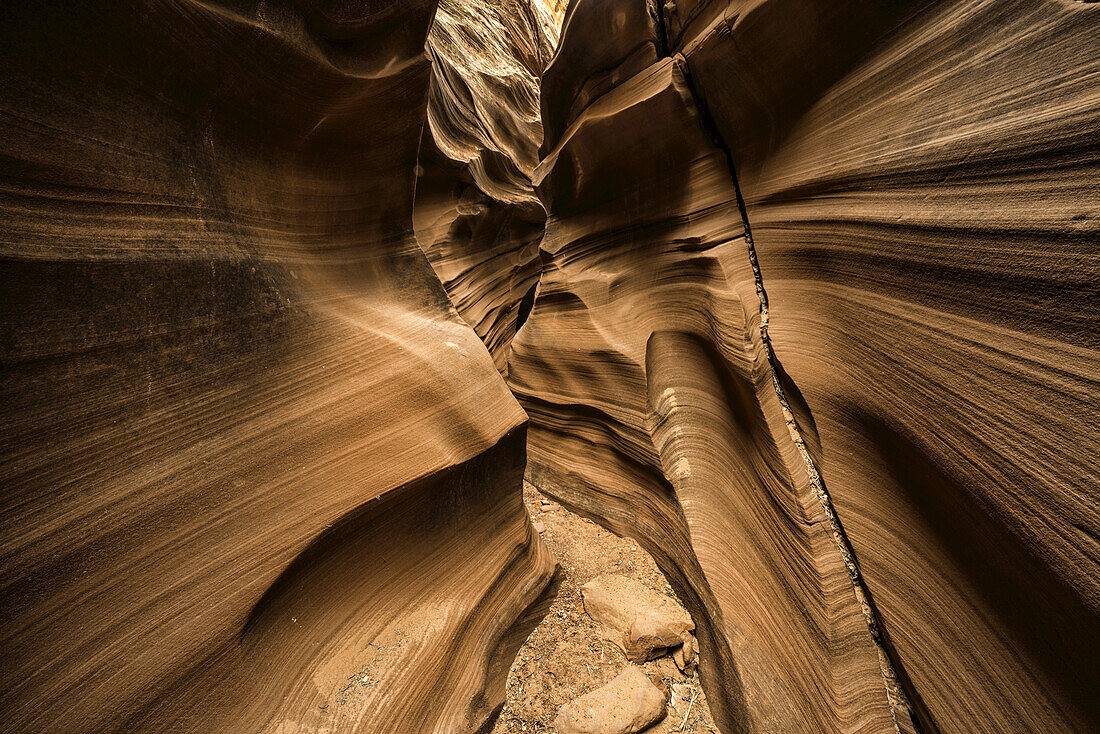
pixel 798 296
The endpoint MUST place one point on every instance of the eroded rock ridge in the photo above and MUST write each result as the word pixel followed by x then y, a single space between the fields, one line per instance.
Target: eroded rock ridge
pixel 257 473
pixel 880 211
pixel 801 295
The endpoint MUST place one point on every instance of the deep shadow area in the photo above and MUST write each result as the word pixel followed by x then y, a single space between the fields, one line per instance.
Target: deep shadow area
pixel 1043 618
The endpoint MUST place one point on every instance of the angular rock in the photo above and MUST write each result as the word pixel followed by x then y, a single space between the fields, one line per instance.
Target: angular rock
pixel 610 42
pixel 684 655
pixel 642 622
pixel 628 704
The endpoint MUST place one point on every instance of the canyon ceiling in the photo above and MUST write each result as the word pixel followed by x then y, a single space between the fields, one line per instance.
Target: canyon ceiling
pixel 801 295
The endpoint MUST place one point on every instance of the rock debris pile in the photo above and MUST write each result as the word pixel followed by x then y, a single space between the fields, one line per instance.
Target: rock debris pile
pixel 644 624
pixel 572 674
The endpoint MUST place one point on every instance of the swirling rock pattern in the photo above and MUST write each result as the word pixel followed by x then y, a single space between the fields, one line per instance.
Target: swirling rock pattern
pixel 919 182
pixel 260 474
pixel 927 230
pixel 257 475
pixel 477 216
pixel 653 408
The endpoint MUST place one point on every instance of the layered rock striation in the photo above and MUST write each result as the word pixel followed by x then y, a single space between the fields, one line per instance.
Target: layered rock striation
pixel 923 207
pixel 892 205
pixel 653 399
pixel 799 294
pixel 257 474
pixel 477 216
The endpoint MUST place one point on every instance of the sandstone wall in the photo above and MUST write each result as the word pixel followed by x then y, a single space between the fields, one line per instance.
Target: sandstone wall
pixel 257 474
pixel 477 216
pixel 889 205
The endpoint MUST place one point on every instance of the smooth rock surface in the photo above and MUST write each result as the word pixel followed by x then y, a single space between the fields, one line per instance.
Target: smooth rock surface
pixel 923 192
pixel 250 451
pixel 799 294
pixel 476 214
pixel 644 623
pixel 653 407
pixel 815 326
pixel 630 703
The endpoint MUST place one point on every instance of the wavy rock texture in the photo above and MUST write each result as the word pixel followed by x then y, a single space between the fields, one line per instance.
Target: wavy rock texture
pixel 927 230
pixel 260 475
pixel 920 182
pixel 257 474
pixel 477 216
pixel 653 408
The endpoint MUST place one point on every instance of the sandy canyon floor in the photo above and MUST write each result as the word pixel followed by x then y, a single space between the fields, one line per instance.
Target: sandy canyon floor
pixel 566 657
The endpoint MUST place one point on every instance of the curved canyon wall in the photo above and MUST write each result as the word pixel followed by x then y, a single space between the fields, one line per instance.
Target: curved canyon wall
pixel 800 294
pixel 257 474
pixel 927 229
pixel 477 216
pixel 891 206
pixel 653 397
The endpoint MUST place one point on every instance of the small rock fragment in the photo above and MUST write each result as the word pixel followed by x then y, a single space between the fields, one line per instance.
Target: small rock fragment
pixel 681 696
pixel 684 655
pixel 628 704
pixel 641 621
pixel 678 658
pixel 540 526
